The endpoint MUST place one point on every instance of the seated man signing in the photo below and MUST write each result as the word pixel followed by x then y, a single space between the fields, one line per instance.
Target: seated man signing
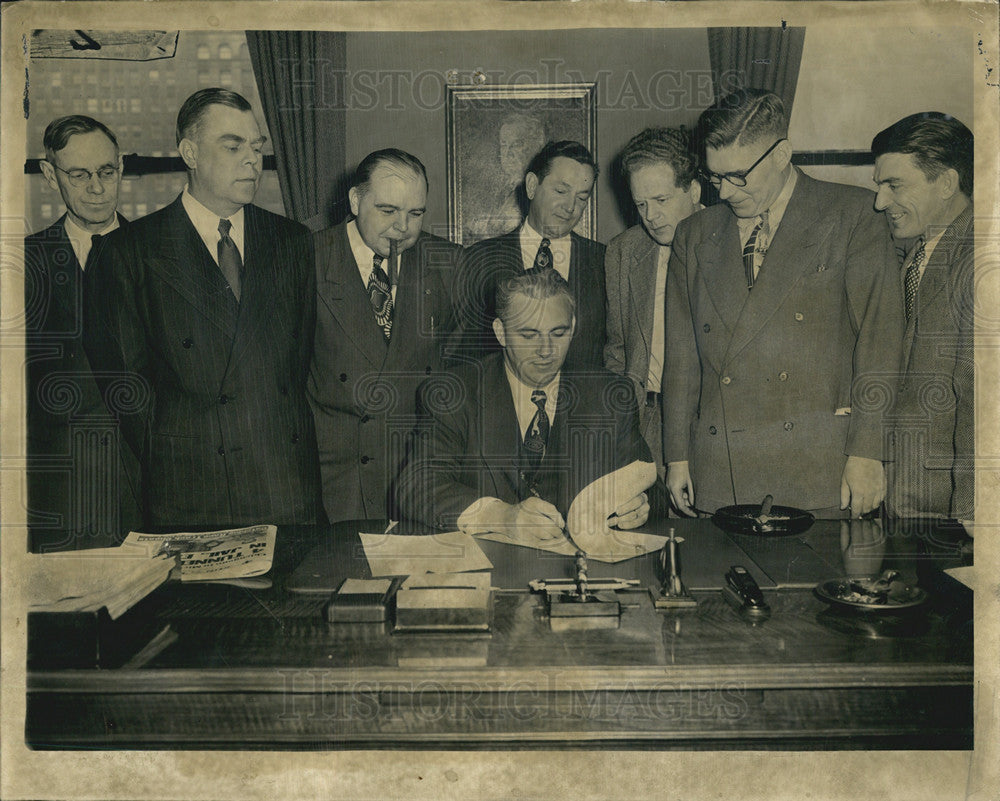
pixel 506 444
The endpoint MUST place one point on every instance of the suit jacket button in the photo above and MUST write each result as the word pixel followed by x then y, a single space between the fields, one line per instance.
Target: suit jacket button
pixel 727 380
pixel 799 317
pixel 428 369
pixel 343 376
pixel 789 426
pixel 222 451
pixel 295 438
pixel 365 418
pixel 782 376
pixel 284 390
pixel 707 328
pixel 713 430
pixel 187 343
pixel 365 460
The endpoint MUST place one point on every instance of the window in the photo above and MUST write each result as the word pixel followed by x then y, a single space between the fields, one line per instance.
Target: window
pixel 225 52
pixel 203 53
pixel 92 105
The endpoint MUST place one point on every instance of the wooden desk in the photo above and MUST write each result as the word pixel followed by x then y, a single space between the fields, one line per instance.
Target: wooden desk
pixel 262 669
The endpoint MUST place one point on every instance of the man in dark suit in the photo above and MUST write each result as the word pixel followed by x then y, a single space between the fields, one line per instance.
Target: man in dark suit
pixel 211 301
pixel 662 173
pixel 558 185
pixel 924 172
pixel 379 326
pixel 82 485
pixel 505 445
pixel 784 326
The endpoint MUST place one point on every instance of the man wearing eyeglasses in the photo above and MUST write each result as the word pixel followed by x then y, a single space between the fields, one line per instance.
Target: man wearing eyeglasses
pixel 82 486
pixel 211 302
pixel 784 329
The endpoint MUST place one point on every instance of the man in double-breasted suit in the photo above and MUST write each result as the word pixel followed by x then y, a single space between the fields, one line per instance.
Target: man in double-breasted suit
pixel 504 445
pixel 366 367
pixel 784 329
pixel 83 486
pixel 558 183
pixel 662 173
pixel 211 301
pixel 924 174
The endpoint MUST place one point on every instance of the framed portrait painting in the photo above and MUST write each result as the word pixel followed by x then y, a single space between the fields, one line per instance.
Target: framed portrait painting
pixel 492 134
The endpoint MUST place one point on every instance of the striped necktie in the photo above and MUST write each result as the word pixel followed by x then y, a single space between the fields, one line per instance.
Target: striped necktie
pixel 750 253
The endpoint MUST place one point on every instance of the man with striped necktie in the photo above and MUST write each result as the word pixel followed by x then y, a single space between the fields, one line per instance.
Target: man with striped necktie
pixel 924 171
pixel 784 328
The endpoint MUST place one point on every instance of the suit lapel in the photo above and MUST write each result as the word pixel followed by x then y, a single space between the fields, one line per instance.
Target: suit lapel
pixel 497 413
pixel 721 268
pixel 642 266
pixel 257 281
pixel 340 289
pixel 407 306
pixel 803 226
pixel 185 264
pixel 64 273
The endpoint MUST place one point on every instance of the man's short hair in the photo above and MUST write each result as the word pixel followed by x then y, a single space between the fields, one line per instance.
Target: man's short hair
pixel 194 108
pixel 936 141
pixel 58 132
pixel 670 146
pixel 390 157
pixel 536 284
pixel 743 117
pixel 541 162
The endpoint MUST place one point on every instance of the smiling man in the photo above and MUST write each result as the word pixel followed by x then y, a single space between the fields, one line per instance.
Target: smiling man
pixel 924 175
pixel 662 174
pixel 82 485
pixel 784 329
pixel 210 303
pixel 558 184
pixel 505 445
pixel 378 331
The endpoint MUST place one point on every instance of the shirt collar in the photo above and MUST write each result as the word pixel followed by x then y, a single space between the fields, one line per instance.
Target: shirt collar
pixel 777 209
pixel 206 222
pixel 77 234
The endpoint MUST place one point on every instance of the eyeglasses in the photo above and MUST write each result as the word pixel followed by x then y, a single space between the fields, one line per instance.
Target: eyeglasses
pixel 737 178
pixel 82 177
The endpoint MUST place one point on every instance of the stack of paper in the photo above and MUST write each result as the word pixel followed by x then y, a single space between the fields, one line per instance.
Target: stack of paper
pixel 85 581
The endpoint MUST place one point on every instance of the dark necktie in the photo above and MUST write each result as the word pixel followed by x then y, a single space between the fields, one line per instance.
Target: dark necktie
pixel 543 259
pixel 911 280
pixel 750 252
pixel 537 434
pixel 380 295
pixel 94 250
pixel 229 258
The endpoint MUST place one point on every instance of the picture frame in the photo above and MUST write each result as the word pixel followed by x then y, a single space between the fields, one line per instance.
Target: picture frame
pixel 492 134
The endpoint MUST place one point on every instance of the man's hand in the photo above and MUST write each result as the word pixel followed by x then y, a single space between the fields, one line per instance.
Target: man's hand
pixel 631 514
pixel 533 522
pixel 680 487
pixel 862 486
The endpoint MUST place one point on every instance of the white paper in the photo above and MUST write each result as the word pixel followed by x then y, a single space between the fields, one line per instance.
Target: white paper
pixel 211 555
pixel 587 520
pixel 450 552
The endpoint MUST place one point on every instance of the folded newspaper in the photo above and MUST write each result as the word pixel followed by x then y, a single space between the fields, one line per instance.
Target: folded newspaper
pixel 231 554
pixel 118 578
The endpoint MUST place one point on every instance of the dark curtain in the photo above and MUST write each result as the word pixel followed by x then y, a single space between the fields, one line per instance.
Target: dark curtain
pixel 298 75
pixel 762 58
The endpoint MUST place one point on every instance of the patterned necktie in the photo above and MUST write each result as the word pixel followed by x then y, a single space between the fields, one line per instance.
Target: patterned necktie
pixel 380 295
pixel 537 434
pixel 229 258
pixel 543 259
pixel 750 253
pixel 911 280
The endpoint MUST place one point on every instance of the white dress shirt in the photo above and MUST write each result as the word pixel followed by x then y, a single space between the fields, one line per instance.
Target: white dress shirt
pixel 561 248
pixel 206 223
pixel 81 240
pixel 364 257
pixel 774 215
